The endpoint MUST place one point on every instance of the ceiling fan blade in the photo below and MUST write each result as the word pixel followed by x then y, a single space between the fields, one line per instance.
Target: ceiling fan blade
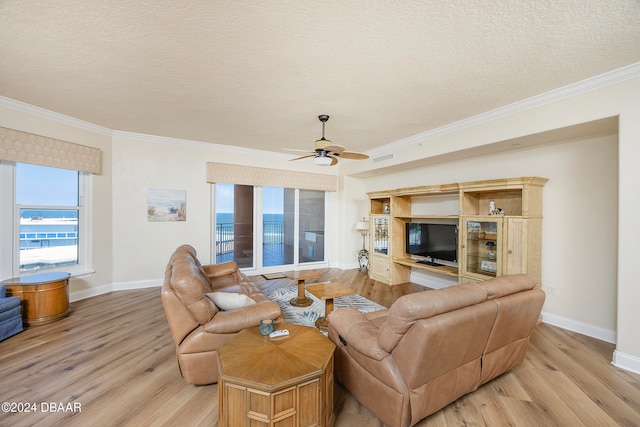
pixel 334 161
pixel 352 155
pixel 303 157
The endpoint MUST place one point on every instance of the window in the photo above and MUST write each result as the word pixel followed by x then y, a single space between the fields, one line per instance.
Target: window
pixel 47 218
pixel 257 226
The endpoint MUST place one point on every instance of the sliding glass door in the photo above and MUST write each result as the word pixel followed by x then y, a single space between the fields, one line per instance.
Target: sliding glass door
pixel 267 227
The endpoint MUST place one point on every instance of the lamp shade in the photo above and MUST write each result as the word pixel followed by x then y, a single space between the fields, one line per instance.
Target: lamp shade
pixel 362 225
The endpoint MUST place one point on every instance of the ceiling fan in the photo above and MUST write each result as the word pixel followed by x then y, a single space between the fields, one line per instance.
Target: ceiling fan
pixel 326 153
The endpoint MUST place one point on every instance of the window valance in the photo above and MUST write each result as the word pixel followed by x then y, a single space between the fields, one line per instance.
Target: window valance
pixel 249 175
pixel 24 147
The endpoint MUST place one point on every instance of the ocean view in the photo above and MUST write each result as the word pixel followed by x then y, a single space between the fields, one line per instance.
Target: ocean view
pixel 49 213
pixel 226 218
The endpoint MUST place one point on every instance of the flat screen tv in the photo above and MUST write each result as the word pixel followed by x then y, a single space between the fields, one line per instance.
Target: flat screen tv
pixel 434 241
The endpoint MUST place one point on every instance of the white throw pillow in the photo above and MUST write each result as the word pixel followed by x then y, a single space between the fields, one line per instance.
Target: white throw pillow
pixel 229 300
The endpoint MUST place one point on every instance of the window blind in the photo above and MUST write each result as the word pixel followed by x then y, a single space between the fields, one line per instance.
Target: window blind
pixel 249 175
pixel 24 147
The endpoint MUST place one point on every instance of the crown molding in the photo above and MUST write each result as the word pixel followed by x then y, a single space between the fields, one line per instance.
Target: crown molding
pixel 52 115
pixel 71 121
pixel 196 144
pixel 613 77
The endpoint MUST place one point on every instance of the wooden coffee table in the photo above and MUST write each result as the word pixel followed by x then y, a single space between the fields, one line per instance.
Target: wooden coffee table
pixel 327 292
pixel 276 381
pixel 301 276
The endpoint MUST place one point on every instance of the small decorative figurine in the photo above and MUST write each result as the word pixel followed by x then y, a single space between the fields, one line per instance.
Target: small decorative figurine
pixel 492 206
pixel 491 247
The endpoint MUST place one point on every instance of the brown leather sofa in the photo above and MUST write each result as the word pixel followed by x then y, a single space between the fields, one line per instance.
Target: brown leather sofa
pixel 432 347
pixel 197 325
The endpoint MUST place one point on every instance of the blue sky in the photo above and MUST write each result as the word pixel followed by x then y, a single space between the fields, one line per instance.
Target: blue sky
pixel 41 185
pixel 272 199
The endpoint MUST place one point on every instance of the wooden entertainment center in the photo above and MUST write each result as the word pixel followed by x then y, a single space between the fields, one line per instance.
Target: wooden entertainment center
pixel 489 245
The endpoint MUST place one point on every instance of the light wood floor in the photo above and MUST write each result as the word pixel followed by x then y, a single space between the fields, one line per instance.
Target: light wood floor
pixel 115 357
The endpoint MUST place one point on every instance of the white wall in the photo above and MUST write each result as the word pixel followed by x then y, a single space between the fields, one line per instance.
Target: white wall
pixel 627 354
pixel 142 248
pixel 353 207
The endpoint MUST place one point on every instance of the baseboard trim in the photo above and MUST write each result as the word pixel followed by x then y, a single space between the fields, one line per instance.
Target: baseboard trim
pixel 88 293
pixel 626 362
pixel 580 327
pixel 120 286
pixel 141 284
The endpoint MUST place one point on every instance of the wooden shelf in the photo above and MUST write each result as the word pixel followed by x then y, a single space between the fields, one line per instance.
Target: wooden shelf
pixel 516 234
pixel 444 269
pixel 425 190
pixel 408 217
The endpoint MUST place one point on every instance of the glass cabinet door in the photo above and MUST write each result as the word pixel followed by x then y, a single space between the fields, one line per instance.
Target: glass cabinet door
pixel 380 234
pixel 481 247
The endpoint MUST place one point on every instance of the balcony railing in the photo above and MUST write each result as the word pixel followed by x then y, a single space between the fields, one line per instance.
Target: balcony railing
pixel 272 234
pixel 224 238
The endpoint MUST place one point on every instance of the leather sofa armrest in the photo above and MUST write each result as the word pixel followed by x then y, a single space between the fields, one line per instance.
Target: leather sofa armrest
pixel 223 269
pixel 227 322
pixel 357 332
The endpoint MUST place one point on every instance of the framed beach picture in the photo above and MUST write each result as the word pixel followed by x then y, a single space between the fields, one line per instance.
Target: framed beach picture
pixel 166 205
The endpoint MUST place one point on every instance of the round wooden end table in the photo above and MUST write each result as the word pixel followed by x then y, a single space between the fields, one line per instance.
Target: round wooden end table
pixel 44 296
pixel 302 276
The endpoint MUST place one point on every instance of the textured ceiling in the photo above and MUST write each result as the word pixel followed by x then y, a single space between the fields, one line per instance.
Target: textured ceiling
pixel 257 74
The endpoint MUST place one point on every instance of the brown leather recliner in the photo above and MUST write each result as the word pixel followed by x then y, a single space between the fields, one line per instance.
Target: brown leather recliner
pixel 432 347
pixel 197 325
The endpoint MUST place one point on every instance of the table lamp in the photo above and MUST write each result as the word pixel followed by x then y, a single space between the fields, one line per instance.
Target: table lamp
pixel 363 228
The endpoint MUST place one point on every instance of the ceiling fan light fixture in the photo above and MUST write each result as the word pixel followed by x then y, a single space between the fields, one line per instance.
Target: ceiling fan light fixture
pixel 326 153
pixel 323 160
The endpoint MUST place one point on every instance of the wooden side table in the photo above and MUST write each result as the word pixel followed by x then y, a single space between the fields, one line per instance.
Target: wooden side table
pixel 301 276
pixel 327 292
pixel 285 381
pixel 44 296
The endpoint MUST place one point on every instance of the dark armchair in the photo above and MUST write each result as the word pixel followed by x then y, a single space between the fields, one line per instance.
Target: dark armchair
pixel 10 317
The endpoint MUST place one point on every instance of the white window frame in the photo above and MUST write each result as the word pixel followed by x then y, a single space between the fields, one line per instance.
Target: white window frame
pixel 10 226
